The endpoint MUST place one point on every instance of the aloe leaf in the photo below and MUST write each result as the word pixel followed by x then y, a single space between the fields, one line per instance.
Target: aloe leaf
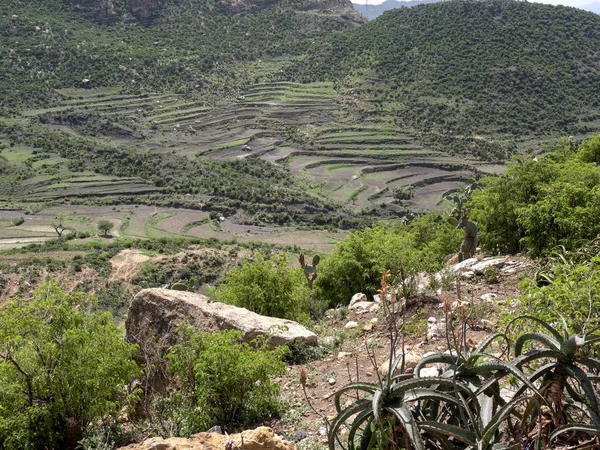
pixel 592 363
pixel 344 415
pixel 429 394
pixel 488 341
pixel 466 436
pixel 534 354
pixel 408 422
pixel 544 324
pixel 575 427
pixel 498 418
pixel 553 344
pixel 509 368
pixel 433 383
pixel 366 387
pixel 588 388
pixel 376 406
pixel 443 358
pixel 364 416
pixel 592 340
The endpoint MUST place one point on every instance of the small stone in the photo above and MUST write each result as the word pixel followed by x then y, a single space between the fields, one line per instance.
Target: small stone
pixel 323 431
pixel 374 320
pixel 374 308
pixel 342 355
pixel 328 341
pixel 489 297
pixel 300 434
pixel 360 297
pixel 429 372
pixel 351 324
pixel 367 328
pixel 331 381
pixel 369 374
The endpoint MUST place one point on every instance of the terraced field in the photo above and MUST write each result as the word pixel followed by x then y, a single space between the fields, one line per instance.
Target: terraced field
pixel 309 127
pixel 149 222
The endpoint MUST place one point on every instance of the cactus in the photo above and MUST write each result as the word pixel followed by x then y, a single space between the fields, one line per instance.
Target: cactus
pixel 310 271
pixel 458 218
pixel 192 285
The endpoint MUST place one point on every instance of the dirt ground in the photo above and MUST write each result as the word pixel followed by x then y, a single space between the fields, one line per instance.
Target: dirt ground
pixel 351 361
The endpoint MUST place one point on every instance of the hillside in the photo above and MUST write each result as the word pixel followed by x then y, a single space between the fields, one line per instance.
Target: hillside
pixel 47 45
pixel 373 11
pixel 472 68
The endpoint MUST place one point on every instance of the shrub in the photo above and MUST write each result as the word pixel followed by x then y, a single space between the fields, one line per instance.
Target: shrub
pixel 222 381
pixel 356 264
pixel 61 370
pixel 267 286
pixel 542 202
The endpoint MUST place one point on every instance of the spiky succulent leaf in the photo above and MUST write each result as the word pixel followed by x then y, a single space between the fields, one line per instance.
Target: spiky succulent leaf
pixel 492 427
pixel 433 383
pixel 588 388
pixel 436 358
pixel 343 416
pixel 548 341
pixel 541 322
pixel 369 388
pixel 582 427
pixel 489 340
pixel 509 369
pixel 445 430
pixel 404 415
pixel 359 420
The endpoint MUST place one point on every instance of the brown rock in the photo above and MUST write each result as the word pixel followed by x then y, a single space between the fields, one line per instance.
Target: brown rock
pixel 155 314
pixel 261 438
pixel 144 11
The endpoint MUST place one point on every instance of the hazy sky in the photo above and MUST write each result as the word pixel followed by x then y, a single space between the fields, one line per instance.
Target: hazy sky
pixel 552 2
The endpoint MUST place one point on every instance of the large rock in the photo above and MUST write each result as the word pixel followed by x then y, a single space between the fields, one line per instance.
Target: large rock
pixel 262 438
pixel 155 314
pixel 144 11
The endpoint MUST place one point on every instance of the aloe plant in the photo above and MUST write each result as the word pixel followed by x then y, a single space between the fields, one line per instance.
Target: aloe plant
pixel 568 391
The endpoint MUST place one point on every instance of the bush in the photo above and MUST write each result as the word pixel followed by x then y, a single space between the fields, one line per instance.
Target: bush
pixel 222 382
pixel 540 203
pixel 269 287
pixel 61 370
pixel 356 264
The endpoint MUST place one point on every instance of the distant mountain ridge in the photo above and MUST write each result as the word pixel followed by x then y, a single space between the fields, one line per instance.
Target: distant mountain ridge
pixel 373 11
pixel 473 67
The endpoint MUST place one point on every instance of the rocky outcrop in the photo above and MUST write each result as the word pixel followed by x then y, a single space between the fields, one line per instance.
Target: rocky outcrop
pixel 262 438
pixel 101 11
pixel 145 11
pixel 155 314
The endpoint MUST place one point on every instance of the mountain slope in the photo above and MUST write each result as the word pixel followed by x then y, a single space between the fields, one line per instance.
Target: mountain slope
pixel 170 45
pixel 373 11
pixel 473 67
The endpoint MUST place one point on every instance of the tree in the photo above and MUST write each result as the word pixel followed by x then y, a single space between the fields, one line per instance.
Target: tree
pixel 61 370
pixel 105 226
pixel 59 226
pixel 267 286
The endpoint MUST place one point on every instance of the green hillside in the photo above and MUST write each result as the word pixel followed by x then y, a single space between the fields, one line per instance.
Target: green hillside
pixel 472 67
pixel 172 45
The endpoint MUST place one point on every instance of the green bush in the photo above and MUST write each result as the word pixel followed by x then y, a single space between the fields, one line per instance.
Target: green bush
pixel 61 370
pixel 356 264
pixel 222 382
pixel 267 286
pixel 542 202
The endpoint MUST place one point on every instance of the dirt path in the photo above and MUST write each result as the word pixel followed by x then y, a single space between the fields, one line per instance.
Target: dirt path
pixel 126 264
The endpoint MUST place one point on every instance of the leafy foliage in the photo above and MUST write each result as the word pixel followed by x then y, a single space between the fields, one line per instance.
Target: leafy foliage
pixel 356 264
pixel 267 286
pixel 61 370
pixel 222 381
pixel 542 202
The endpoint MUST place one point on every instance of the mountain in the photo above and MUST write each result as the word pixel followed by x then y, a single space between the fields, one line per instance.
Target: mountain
pixel 148 44
pixel 472 67
pixel 373 11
